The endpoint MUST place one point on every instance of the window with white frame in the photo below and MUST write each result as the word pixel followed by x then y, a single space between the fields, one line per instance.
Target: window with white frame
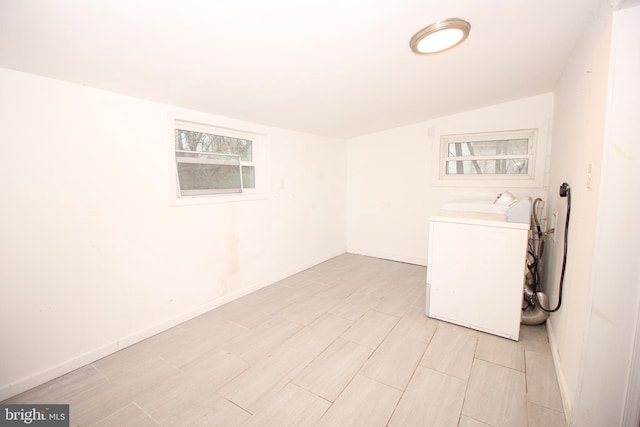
pixel 215 161
pixel 491 155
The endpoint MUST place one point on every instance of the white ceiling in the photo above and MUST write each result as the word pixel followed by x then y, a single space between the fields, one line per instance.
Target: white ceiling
pixel 338 68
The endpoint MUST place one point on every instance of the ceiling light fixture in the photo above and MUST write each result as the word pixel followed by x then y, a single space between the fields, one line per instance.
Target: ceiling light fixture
pixel 440 36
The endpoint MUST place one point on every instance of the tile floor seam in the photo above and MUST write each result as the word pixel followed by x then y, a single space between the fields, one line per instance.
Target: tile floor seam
pixel 307 390
pixel 98 370
pixel 146 413
pixel 543 406
pixel 223 384
pixel 93 387
pixel 501 366
pixel 475 419
pixel 126 405
pixel 150 357
pixel 395 408
pixel 466 388
pixel 343 317
pixel 516 371
pixel 235 404
pixel 412 373
pixel 402 392
pixel 168 362
pixel 342 391
pixel 374 380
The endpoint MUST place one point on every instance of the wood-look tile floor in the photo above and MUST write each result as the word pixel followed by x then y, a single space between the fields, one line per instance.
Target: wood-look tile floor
pixel 345 343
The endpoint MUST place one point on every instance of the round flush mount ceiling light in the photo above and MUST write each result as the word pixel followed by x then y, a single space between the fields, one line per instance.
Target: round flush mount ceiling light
pixel 440 36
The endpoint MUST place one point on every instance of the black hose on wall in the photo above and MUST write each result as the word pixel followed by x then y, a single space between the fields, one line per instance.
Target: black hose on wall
pixel 565 191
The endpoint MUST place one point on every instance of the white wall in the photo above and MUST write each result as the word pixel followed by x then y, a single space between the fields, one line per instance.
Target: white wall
pixel 615 281
pixel 596 124
pixel 578 135
pixel 392 185
pixel 93 258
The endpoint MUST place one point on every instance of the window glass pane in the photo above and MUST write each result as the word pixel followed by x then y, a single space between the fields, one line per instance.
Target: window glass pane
pixel 187 140
pixel 488 148
pixel 249 177
pixel 202 176
pixel 488 167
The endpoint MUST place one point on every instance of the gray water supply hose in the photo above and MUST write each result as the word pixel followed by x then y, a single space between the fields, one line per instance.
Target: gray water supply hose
pixel 535 310
pixel 534 314
pixel 538 308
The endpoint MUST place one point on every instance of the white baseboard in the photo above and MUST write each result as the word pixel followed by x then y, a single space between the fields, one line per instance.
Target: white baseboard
pixel 389 255
pixel 38 378
pixel 567 404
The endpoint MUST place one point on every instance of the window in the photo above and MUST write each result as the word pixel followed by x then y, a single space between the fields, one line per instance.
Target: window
pixel 215 161
pixel 495 155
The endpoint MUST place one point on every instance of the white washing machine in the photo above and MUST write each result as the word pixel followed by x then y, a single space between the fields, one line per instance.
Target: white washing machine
pixel 476 267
